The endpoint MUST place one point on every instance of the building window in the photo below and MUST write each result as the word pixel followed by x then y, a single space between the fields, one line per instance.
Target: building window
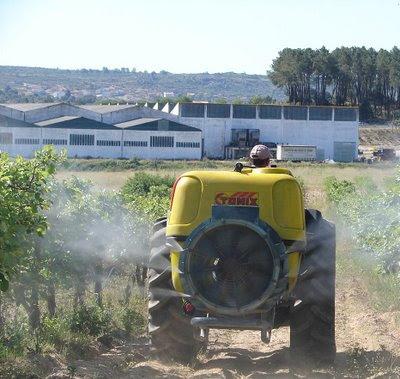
pixel 345 114
pixel 270 112
pixel 161 141
pixel 192 110
pixel 27 141
pixel 135 143
pixel 295 113
pixel 188 144
pixel 81 139
pixel 103 142
pixel 54 141
pixel 244 111
pixel 218 110
pixel 320 113
pixel 6 138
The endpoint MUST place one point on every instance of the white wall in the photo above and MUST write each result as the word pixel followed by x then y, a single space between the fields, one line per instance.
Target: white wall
pixel 27 151
pixel 323 134
pixel 216 132
pixel 213 133
pixel 95 151
pixel 161 152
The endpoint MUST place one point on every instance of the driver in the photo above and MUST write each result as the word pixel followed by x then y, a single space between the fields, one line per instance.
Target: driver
pixel 260 156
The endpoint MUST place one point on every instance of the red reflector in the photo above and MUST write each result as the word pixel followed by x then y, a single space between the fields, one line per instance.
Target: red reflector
pixel 188 308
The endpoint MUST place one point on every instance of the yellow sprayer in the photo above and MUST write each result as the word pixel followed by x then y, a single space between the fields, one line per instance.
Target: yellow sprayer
pixel 238 251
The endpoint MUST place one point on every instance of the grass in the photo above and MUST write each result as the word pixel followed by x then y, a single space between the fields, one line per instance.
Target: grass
pixel 115 176
pixel 383 289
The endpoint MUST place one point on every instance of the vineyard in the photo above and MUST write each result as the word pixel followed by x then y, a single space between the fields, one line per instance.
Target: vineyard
pixel 73 255
pixel 73 258
pixel 370 217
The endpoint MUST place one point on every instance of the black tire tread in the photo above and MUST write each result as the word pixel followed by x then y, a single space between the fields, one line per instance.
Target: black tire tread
pixel 312 322
pixel 170 331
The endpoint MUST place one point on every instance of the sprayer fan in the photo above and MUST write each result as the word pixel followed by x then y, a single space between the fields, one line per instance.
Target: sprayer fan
pixel 231 266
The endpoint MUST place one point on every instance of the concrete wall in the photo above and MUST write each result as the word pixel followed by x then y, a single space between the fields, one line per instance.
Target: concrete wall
pixel 99 151
pixel 322 133
pixel 148 152
pixel 10 112
pixel 14 149
pixel 96 151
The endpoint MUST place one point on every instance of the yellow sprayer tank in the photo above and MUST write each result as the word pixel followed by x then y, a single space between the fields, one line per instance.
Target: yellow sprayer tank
pixel 239 251
pixel 273 195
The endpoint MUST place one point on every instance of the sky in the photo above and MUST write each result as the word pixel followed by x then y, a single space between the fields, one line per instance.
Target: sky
pixel 186 35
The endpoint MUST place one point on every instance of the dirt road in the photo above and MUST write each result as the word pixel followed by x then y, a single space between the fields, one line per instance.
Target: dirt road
pixel 368 346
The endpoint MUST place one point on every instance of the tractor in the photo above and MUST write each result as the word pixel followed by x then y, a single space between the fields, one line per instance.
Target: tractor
pixel 239 251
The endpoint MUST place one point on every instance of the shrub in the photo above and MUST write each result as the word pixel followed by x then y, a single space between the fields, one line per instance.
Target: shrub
pixel 91 320
pixel 151 206
pixel 78 346
pixel 141 183
pixel 15 336
pixel 55 330
pixel 337 190
pixel 133 321
pixel 372 217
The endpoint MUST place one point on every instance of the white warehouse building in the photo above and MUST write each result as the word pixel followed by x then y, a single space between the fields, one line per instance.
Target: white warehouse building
pixel 175 131
pixel 333 130
pixel 144 138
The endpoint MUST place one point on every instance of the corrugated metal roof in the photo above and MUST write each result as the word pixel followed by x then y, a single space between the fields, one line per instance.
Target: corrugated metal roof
pixel 156 124
pixel 55 120
pixel 107 108
pixel 135 122
pixel 25 107
pixel 11 122
pixel 77 123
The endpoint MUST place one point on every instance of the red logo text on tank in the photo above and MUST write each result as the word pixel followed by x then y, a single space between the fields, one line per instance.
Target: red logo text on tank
pixel 237 198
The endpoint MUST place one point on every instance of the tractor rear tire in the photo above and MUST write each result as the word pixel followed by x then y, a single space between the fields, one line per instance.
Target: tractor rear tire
pixel 171 334
pixel 312 320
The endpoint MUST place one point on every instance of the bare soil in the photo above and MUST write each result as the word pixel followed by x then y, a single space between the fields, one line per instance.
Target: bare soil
pixel 378 136
pixel 368 344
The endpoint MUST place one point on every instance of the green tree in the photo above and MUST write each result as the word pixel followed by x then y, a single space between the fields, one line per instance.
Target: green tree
pixel 257 100
pixel 24 185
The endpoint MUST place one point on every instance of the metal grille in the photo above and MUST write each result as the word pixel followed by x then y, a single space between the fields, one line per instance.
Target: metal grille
pixel 81 139
pixel 6 138
pixel 231 266
pixel 188 144
pixel 135 143
pixel 161 141
pixel 27 141
pixel 54 141
pixel 108 143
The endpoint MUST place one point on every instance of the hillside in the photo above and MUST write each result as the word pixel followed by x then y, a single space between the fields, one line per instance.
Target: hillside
pixel 129 85
pixel 379 136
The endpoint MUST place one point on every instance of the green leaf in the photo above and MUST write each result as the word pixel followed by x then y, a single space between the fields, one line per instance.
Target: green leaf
pixel 4 282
